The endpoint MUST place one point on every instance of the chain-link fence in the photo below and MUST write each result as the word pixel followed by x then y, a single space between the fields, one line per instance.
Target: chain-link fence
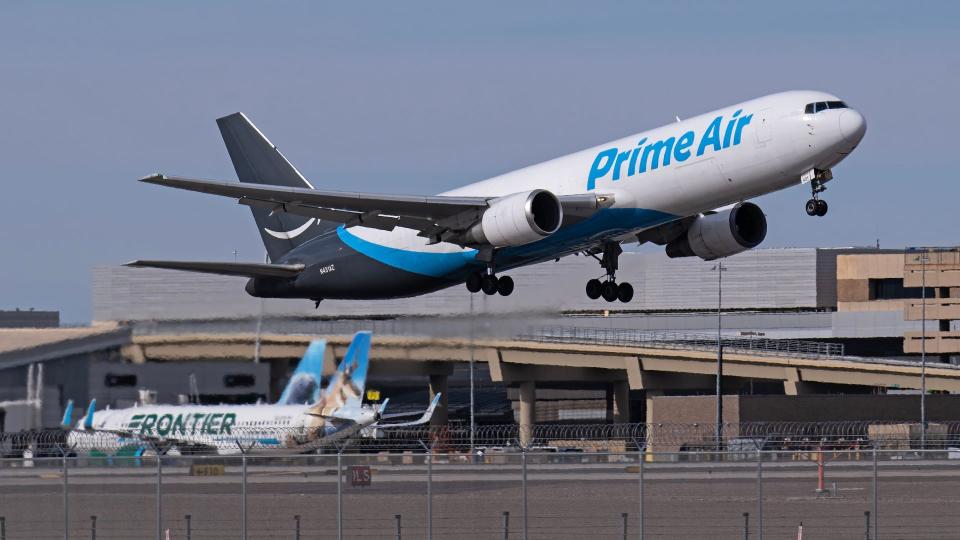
pixel 505 493
pixel 458 438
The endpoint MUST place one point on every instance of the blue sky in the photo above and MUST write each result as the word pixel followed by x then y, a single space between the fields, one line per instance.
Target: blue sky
pixel 421 97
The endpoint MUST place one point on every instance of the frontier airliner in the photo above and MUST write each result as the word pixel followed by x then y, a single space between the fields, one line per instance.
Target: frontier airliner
pixel 685 186
pixel 305 418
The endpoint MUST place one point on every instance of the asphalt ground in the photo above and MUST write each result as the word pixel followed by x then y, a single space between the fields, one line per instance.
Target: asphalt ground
pixel 916 499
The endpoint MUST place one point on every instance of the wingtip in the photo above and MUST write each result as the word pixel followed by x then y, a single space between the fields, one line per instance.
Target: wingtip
pixel 132 264
pixel 152 178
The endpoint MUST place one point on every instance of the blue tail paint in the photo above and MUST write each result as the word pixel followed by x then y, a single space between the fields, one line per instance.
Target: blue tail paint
pixel 304 385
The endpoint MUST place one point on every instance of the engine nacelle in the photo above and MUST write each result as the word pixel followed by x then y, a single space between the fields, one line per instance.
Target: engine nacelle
pixel 722 234
pixel 518 219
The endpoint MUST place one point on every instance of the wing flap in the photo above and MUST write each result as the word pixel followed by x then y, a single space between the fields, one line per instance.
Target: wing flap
pixel 225 268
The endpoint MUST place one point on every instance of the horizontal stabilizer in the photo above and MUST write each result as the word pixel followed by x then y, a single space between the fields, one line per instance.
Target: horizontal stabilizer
pixel 226 268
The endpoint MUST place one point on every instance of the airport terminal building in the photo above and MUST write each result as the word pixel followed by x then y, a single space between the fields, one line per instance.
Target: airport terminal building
pixel 201 338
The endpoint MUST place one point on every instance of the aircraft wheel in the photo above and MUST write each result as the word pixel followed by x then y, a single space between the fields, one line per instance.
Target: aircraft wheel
pixel 609 291
pixel 625 292
pixel 474 282
pixel 489 284
pixel 505 285
pixel 811 207
pixel 821 207
pixel 594 289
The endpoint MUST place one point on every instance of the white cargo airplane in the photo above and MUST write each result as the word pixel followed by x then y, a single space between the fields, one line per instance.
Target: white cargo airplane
pixel 683 185
pixel 304 419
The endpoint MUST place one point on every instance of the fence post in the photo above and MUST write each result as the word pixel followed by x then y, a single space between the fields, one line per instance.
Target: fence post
pixel 66 500
pixel 296 531
pixel 189 531
pixel 746 526
pixel 866 515
pixel 339 494
pixel 159 496
pixel 397 517
pixel 243 495
pixel 624 516
pixel 760 494
pixel 428 452
pixel 506 526
pixel 876 512
pixel 640 460
pixel 523 486
pixel 430 495
pixel 93 527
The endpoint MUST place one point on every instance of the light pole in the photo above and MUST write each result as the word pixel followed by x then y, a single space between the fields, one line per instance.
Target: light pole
pixel 473 425
pixel 923 349
pixel 720 268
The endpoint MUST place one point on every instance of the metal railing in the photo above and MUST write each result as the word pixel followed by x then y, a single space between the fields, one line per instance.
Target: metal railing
pixel 685 341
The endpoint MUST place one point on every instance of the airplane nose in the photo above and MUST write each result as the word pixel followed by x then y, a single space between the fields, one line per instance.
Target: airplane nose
pixel 852 125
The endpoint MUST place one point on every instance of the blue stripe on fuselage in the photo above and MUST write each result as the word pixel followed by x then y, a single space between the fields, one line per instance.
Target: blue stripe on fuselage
pixel 605 224
pixel 418 262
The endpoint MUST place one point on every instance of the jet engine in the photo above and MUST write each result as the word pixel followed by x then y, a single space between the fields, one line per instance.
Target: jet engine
pixel 518 219
pixel 722 234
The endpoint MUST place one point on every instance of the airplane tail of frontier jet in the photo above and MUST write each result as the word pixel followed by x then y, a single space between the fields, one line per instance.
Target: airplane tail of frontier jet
pixel 304 384
pixel 347 384
pixel 258 161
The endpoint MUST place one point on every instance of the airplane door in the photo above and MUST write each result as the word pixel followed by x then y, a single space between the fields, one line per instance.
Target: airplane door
pixel 764 129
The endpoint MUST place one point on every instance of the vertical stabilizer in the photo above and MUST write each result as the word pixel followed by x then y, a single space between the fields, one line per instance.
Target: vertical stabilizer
pixel 258 161
pixel 67 421
pixel 348 383
pixel 88 419
pixel 304 385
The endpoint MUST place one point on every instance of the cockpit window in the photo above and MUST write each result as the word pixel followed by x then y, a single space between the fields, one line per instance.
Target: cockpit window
pixel 813 108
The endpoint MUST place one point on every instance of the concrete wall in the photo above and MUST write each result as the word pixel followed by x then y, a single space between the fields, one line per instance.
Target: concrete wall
pixel 809 408
pixel 29 318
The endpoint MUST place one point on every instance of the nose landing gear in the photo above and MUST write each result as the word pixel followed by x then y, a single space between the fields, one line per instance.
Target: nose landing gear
pixel 817 206
pixel 608 288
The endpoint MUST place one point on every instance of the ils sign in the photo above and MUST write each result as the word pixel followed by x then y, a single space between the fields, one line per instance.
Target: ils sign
pixel 360 475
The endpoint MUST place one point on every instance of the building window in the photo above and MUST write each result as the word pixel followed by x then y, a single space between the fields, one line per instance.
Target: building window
pixel 238 379
pixel 113 379
pixel 893 289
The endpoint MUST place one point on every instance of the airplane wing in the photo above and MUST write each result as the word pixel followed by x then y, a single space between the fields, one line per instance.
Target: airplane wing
pixel 225 268
pixel 431 215
pixel 424 418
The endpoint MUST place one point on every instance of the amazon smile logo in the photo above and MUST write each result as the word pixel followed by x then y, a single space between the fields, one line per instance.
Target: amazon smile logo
pixel 287 235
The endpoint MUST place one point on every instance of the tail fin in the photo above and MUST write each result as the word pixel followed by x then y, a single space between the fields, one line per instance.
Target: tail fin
pixel 67 421
pixel 348 383
pixel 88 419
pixel 258 161
pixel 304 385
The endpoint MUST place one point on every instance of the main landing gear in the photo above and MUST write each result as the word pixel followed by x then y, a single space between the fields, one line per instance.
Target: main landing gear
pixel 608 288
pixel 489 283
pixel 816 206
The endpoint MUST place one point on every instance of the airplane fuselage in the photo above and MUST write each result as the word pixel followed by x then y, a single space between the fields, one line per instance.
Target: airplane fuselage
pixel 225 428
pixel 657 176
